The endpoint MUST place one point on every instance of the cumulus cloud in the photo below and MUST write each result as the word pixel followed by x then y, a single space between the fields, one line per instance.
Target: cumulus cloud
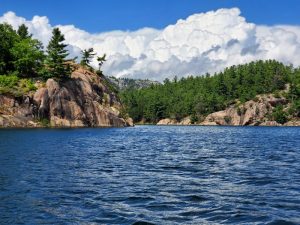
pixel 205 42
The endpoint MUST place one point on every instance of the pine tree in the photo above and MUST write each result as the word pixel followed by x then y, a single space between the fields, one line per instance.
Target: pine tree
pixel 87 56
pixel 56 56
pixel 23 32
pixel 101 60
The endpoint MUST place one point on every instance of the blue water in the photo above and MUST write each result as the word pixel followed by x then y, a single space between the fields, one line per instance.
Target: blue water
pixel 159 175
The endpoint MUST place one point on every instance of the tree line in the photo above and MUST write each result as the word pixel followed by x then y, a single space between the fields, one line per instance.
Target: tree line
pixel 23 56
pixel 198 96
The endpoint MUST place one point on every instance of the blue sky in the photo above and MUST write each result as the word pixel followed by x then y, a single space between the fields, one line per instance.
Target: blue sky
pixel 187 37
pixel 99 16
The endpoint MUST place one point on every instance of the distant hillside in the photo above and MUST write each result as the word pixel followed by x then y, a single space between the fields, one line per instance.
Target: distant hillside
pixel 197 97
pixel 128 83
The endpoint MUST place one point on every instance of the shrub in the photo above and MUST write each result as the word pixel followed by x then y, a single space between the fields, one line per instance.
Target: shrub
pixel 12 85
pixel 123 113
pixel 294 110
pixel 8 81
pixel 277 94
pixel 279 115
pixel 26 85
pixel 44 122
pixel 194 119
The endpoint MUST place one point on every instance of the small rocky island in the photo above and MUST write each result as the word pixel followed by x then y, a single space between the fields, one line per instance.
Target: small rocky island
pixel 84 100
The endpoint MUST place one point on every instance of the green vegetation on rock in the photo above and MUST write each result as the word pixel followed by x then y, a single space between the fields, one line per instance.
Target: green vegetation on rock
pixel 202 95
pixel 13 85
pixel 23 60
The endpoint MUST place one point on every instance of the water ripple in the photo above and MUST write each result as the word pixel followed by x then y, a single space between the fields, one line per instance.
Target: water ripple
pixel 150 175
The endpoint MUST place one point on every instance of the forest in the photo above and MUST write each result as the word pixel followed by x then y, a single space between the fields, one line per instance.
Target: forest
pixel 197 96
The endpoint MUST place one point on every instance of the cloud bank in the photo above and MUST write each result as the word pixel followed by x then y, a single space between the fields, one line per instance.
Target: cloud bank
pixel 205 42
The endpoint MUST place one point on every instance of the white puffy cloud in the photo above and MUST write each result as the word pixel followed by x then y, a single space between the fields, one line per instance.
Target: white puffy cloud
pixel 205 42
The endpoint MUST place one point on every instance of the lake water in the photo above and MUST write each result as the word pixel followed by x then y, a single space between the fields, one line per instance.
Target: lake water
pixel 159 175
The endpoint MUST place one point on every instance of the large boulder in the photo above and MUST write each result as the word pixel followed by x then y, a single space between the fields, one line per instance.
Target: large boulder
pixel 185 121
pixel 167 121
pixel 129 122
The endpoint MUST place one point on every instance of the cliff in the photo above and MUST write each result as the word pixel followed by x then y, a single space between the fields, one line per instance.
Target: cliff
pixel 257 112
pixel 82 101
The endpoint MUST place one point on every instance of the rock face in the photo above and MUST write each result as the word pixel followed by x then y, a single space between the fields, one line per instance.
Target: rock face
pixel 250 113
pixel 16 112
pixel 292 123
pixel 168 121
pixel 83 101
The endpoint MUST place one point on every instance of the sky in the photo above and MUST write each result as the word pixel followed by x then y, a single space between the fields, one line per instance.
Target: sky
pixel 163 38
pixel 99 16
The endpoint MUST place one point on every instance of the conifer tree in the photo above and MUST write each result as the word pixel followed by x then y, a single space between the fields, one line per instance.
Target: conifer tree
pixel 56 63
pixel 23 32
pixel 87 56
pixel 101 60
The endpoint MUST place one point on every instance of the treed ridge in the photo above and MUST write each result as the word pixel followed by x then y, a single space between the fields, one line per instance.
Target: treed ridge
pixel 199 96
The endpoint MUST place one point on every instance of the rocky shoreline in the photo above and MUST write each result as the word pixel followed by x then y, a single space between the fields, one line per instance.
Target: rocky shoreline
pixel 81 101
pixel 252 113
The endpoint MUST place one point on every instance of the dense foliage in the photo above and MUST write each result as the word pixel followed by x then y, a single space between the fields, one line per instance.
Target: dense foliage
pixel 201 95
pixel 22 58
pixel 20 54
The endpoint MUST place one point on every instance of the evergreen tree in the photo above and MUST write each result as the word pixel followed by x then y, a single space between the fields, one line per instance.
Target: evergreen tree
pixel 23 32
pixel 56 63
pixel 201 95
pixel 87 56
pixel 101 60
